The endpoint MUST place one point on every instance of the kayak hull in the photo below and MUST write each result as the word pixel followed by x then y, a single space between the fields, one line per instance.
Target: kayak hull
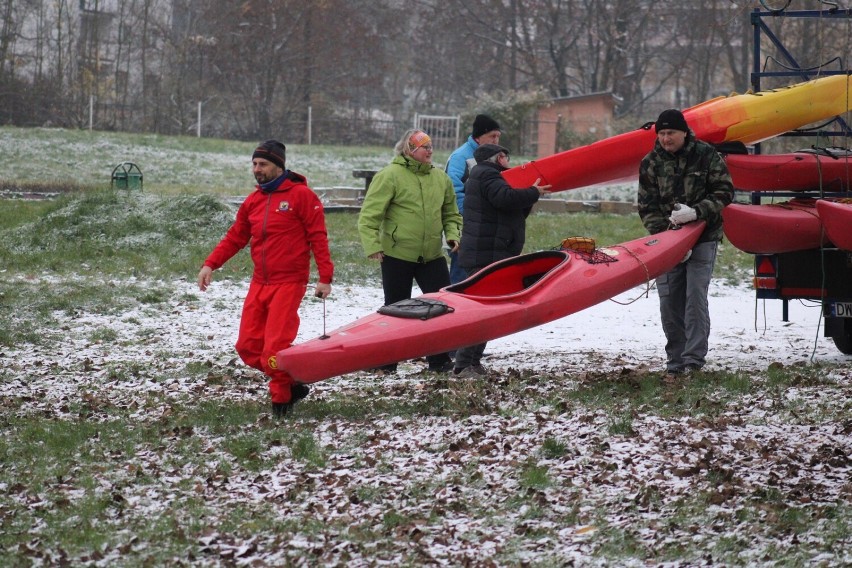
pixel 796 171
pixel 836 217
pixel 501 299
pixel 774 227
pixel 747 118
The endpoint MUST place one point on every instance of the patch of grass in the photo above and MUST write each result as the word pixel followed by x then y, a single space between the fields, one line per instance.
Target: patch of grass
pixel 616 544
pixel 305 448
pixel 206 442
pixel 106 233
pixel 620 424
pixel 704 393
pixel 197 368
pixel 247 449
pixel 392 519
pixel 154 296
pixel 734 383
pixel 552 448
pixel 17 212
pixel 103 335
pixel 216 417
pixel 126 371
pixel 534 476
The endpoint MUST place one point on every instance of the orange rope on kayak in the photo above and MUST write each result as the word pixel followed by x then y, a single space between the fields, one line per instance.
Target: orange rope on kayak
pixel 647 276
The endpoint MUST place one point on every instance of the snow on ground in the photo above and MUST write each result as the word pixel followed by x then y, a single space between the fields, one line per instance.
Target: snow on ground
pixel 747 334
pixel 629 483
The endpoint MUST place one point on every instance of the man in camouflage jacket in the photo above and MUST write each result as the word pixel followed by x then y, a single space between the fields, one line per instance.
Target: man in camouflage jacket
pixel 680 181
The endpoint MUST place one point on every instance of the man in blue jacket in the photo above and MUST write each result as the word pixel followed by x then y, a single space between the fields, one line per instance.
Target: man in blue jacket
pixel 485 130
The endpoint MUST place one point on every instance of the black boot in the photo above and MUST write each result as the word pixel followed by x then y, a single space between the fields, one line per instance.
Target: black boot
pixel 440 363
pixel 297 392
pixel 281 409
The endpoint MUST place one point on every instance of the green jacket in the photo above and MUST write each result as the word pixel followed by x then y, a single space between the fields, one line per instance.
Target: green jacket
pixel 696 176
pixel 408 206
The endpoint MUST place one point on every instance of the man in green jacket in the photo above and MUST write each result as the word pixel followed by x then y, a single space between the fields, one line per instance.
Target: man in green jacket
pixel 409 209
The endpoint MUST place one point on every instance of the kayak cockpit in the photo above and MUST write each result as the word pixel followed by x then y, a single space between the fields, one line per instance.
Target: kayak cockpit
pixel 511 276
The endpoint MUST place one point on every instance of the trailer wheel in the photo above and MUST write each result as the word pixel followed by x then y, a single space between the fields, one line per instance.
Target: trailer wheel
pixel 843 338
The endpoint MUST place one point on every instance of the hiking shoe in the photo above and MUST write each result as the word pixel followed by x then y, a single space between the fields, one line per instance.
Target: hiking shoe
pixel 470 372
pixel 444 367
pixel 385 369
pixel 671 376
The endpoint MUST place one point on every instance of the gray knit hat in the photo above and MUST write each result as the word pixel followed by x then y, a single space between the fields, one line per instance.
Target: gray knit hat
pixel 271 150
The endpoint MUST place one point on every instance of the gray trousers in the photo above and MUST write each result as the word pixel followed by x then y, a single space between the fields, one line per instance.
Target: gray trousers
pixel 467 356
pixel 684 309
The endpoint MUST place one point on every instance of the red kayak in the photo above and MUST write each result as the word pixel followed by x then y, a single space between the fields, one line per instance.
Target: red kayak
pixel 748 118
pixel 506 297
pixel 828 169
pixel 773 228
pixel 837 219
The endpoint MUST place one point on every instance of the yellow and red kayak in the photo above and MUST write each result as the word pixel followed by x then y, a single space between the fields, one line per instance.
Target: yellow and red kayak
pixel 747 118
pixel 836 218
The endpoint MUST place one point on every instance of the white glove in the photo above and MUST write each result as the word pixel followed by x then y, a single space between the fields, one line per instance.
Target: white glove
pixel 683 214
pixel 686 257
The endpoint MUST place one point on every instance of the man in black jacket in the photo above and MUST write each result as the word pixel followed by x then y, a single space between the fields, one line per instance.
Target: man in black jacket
pixel 494 228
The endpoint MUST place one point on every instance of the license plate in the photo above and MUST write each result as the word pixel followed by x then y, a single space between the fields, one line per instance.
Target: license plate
pixel 841 309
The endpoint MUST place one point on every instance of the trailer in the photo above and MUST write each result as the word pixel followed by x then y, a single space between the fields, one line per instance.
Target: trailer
pixel 824 274
pixel 821 275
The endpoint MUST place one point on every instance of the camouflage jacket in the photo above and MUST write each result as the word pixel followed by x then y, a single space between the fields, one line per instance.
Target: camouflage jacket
pixel 696 176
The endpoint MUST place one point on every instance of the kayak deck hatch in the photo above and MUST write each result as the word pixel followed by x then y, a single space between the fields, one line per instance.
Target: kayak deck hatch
pixel 416 308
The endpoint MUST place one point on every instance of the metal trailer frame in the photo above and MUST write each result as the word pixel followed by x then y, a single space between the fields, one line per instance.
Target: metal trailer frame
pixel 824 274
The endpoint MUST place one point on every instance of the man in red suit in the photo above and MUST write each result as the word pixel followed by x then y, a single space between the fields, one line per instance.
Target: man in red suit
pixel 284 221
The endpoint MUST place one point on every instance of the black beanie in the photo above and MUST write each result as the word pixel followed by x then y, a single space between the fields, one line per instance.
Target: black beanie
pixel 271 150
pixel 483 124
pixel 671 119
pixel 488 150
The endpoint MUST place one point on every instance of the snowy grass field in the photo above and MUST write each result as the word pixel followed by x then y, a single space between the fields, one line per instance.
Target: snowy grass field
pixel 133 436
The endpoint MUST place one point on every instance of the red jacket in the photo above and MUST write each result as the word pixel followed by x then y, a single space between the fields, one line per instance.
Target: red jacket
pixel 284 226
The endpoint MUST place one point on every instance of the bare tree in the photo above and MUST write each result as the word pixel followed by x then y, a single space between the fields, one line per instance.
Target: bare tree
pixel 8 34
pixel 258 67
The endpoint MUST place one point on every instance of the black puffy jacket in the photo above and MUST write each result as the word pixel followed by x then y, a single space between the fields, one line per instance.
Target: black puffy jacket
pixel 494 217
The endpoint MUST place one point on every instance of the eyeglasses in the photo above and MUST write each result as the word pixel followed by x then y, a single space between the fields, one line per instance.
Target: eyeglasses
pixel 427 147
pixel 504 156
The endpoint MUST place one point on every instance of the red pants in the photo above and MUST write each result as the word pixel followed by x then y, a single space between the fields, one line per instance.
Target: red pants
pixel 269 323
